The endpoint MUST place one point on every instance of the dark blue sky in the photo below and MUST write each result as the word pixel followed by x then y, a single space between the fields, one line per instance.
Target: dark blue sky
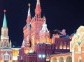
pixel 68 14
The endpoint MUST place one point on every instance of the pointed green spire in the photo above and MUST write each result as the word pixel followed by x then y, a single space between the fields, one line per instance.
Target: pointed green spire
pixel 4 20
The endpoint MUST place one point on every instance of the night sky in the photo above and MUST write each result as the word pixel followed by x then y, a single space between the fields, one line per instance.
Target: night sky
pixel 67 14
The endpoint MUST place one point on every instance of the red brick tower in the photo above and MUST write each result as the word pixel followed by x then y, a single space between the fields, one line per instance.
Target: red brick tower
pixel 33 29
pixel 27 30
pixel 36 24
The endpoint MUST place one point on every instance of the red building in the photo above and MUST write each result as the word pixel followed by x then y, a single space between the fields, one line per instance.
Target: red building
pixel 37 44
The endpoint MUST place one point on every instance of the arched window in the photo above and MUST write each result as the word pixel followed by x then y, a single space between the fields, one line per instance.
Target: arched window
pixel 61 59
pixel 68 59
pixel 54 60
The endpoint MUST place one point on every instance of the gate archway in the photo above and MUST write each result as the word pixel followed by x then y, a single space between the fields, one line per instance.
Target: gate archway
pixel 61 59
pixel 69 59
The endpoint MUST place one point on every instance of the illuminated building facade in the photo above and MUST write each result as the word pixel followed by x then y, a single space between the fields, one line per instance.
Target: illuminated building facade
pixel 37 43
pixel 7 53
pixel 35 31
pixel 77 45
pixel 76 48
pixel 38 46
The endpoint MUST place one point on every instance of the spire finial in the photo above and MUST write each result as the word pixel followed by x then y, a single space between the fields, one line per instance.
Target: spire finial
pixel 4 11
pixel 29 4
pixel 4 20
pixel 38 8
pixel 29 14
pixel 38 2
pixel 44 19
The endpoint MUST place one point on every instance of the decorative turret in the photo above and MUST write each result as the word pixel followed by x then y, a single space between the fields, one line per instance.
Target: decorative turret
pixel 36 24
pixel 38 8
pixel 44 26
pixel 27 27
pixel 44 33
pixel 28 15
pixel 26 30
pixel 10 44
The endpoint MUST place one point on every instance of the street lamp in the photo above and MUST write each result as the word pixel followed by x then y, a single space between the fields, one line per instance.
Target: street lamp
pixel 41 55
